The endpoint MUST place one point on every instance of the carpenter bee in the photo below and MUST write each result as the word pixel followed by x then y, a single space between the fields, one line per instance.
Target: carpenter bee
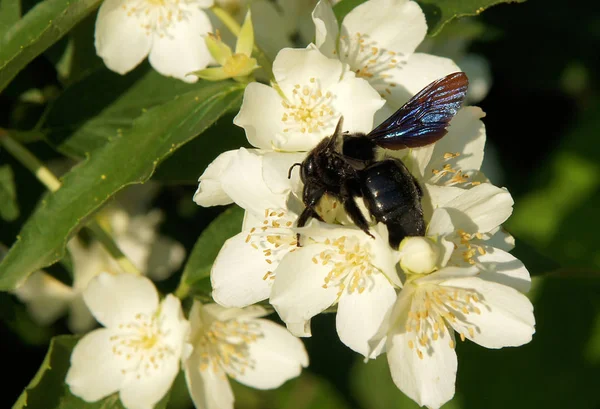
pixel 348 166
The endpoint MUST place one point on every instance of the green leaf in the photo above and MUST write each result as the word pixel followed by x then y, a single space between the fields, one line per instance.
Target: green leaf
pixel 128 159
pixel 41 27
pixel 437 12
pixel 10 13
pixel 103 106
pixel 188 163
pixel 9 209
pixel 47 390
pixel 197 270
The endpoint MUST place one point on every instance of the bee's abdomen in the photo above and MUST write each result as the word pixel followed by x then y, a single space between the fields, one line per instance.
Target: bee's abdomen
pixel 393 197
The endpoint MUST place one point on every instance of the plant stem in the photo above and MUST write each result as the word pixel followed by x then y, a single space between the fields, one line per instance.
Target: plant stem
pixel 52 183
pixel 235 29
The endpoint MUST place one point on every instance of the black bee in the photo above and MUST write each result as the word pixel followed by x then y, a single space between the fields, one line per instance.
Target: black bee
pixel 348 166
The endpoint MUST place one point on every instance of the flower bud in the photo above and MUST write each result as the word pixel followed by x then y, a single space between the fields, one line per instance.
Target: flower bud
pixel 419 255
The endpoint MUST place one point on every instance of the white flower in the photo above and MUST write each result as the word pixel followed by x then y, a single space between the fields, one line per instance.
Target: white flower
pixel 377 40
pixel 459 279
pixel 343 266
pixel 420 343
pixel 169 31
pixel 136 235
pixel 311 94
pixel 138 352
pixel 237 343
pixel 252 178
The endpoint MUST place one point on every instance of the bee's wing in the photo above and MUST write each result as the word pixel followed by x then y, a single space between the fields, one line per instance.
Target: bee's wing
pixel 424 118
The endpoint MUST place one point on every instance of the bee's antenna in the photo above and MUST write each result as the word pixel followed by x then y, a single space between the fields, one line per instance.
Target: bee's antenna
pixel 291 168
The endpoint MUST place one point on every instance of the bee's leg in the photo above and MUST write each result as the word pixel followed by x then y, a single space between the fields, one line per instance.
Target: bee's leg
pixel 354 211
pixel 311 199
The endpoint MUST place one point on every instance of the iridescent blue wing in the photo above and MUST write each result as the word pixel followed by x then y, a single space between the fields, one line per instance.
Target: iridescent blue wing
pixel 425 117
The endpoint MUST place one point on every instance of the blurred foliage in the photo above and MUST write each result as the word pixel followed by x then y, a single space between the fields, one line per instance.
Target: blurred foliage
pixel 543 118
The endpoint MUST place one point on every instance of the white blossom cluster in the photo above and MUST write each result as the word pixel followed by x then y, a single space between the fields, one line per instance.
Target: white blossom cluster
pixel 410 303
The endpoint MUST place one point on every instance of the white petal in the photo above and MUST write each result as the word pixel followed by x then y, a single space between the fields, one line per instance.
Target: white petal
pixel 419 159
pixel 429 380
pixel 277 357
pixel 260 115
pixel 396 25
pixel 481 208
pixel 297 66
pixel 506 317
pixel 326 26
pixel 298 294
pixel 208 388
pixel 239 274
pixel 438 196
pixel 360 316
pixel 419 71
pixel 478 70
pixel 220 313
pixel 501 239
pixel 276 166
pixel 357 102
pixel 440 223
pixel 210 192
pixel 501 267
pixel 46 297
pixel 95 370
pixel 120 39
pixel 116 299
pixel 174 325
pixel 243 181
pixel 182 49
pixel 299 329
pixel 145 392
pixel 466 135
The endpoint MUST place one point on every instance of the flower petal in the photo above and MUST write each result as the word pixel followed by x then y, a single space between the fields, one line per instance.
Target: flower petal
pixel 182 49
pixel 481 208
pixel 46 297
pixel 360 316
pixel 358 117
pixel 260 115
pixel 506 317
pixel 209 387
pixel 277 357
pixel 116 299
pixel 298 293
pixel 210 192
pixel 326 26
pixel 419 71
pixel 243 181
pixel 427 376
pixel 466 135
pixel 503 268
pixel 95 370
pixel 120 39
pixel 239 275
pixel 400 31
pixel 275 169
pixel 294 66
pixel 174 325
pixel 146 391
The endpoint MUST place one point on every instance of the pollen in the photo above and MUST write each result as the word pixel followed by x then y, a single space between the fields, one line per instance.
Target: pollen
pixel 435 309
pixel 274 238
pixel 226 345
pixel 157 16
pixel 350 262
pixel 142 342
pixel 371 61
pixel 308 109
